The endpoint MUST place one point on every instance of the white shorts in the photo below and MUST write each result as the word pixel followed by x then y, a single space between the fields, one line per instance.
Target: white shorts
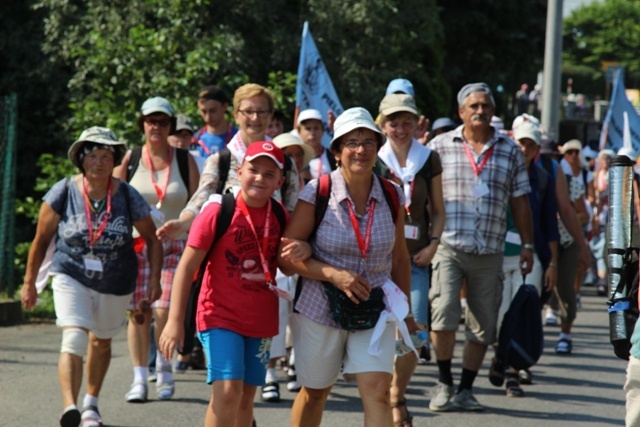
pixel 77 305
pixel 322 350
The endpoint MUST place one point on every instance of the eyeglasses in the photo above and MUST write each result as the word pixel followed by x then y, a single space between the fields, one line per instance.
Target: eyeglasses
pixel 367 145
pixel 260 113
pixel 571 152
pixel 157 122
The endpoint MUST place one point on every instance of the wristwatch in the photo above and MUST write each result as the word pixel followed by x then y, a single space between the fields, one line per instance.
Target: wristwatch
pixel 435 239
pixel 528 246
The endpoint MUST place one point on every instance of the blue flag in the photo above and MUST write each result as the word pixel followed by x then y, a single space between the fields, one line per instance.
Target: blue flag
pixel 314 88
pixel 614 123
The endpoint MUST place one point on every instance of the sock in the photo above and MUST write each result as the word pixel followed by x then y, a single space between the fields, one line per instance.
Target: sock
pixel 565 336
pixel 140 374
pixel 90 400
pixel 161 362
pixel 467 379
pixel 69 408
pixel 444 372
pixel 271 376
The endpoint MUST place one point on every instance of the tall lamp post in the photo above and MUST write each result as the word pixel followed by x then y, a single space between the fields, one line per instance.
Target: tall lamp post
pixel 552 69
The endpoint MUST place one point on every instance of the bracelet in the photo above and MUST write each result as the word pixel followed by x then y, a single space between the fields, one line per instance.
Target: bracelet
pixel 528 246
pixel 553 264
pixel 435 239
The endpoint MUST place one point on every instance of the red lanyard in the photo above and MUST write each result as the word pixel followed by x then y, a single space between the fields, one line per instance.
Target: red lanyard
pixel 226 141
pixel 363 245
pixel 161 192
pixel 94 234
pixel 478 168
pixel 265 235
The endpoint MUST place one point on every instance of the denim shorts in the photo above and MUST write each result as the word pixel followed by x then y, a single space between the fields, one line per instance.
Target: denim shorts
pixel 231 356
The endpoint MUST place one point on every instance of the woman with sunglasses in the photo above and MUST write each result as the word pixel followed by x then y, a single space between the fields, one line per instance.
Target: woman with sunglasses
pixel 158 178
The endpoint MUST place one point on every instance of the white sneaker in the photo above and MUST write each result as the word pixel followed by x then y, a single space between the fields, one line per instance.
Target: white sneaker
pixel 441 398
pixel 466 402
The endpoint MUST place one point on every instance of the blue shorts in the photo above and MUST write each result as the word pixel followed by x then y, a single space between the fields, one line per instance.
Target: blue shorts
pixel 231 356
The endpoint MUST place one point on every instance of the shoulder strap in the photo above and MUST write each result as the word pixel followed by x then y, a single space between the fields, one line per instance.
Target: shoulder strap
pixel 134 160
pixel 391 195
pixel 228 205
pixel 224 163
pixel 323 193
pixel 278 211
pixel 182 157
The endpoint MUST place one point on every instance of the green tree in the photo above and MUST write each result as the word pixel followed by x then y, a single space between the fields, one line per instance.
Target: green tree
pixel 605 30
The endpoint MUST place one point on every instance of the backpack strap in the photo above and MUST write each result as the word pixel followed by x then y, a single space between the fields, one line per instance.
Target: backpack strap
pixel 224 163
pixel 182 157
pixel 278 211
pixel 228 205
pixel 323 193
pixel 134 161
pixel 391 196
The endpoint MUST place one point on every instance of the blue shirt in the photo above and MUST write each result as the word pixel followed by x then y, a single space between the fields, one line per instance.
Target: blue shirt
pixel 114 247
pixel 208 144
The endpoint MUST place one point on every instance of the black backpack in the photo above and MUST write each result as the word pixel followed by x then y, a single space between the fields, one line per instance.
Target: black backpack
pixel 623 303
pixel 222 224
pixel 182 157
pixel 521 339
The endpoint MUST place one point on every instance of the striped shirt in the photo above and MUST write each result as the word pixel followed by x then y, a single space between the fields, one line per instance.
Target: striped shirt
pixel 477 225
pixel 335 243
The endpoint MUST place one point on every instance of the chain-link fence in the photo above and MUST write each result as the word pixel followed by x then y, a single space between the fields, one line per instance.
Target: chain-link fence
pixel 8 160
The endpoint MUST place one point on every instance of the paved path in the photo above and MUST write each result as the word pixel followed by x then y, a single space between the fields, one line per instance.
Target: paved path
pixel 584 389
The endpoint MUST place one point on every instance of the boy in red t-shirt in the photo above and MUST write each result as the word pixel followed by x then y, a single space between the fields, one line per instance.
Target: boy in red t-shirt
pixel 238 306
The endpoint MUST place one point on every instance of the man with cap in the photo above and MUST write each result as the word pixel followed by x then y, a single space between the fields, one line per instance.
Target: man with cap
pixel 310 130
pixel 544 208
pixel 183 136
pixel 485 173
pixel 217 132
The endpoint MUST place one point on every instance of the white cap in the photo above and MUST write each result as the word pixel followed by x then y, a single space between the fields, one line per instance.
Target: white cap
pixel 528 130
pixel 310 114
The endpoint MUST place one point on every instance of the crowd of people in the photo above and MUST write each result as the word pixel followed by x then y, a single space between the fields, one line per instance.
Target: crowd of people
pixel 257 246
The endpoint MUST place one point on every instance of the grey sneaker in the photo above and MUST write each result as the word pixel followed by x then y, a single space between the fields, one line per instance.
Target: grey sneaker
pixel 441 398
pixel 465 401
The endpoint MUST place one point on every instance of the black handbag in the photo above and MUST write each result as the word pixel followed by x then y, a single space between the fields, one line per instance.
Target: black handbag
pixel 352 316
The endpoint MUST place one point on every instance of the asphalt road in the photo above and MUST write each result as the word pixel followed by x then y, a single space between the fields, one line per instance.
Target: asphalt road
pixel 583 389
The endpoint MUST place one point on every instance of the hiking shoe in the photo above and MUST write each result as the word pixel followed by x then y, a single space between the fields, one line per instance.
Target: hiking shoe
pixel 441 398
pixel 465 401
pixel 563 346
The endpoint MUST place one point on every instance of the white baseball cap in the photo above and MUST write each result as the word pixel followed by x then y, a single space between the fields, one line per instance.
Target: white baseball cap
pixel 310 114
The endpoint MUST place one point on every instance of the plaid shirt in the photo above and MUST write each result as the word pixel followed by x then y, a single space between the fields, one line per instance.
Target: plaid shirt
pixel 478 225
pixel 335 243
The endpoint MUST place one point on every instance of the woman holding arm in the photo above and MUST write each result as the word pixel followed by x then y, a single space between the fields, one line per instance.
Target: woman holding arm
pixel 348 256
pixel 91 216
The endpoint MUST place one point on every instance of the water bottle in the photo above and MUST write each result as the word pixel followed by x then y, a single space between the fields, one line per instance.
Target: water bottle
pixel 418 338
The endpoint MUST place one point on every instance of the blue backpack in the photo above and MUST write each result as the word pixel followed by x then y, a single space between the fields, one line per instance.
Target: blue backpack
pixel 521 339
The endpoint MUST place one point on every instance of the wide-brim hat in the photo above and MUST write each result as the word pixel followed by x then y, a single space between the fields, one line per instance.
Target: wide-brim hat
pixel 285 140
pixel 351 119
pixel 97 135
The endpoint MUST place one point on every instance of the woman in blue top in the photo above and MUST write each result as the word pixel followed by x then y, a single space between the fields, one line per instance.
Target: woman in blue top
pixel 94 266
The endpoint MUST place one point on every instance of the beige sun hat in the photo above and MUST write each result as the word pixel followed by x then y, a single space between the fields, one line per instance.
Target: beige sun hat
pixel 97 135
pixel 288 139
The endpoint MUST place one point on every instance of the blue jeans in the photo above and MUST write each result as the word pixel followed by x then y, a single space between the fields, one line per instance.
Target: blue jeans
pixel 420 280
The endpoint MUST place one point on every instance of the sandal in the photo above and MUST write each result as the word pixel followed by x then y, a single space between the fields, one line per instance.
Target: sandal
pixel 564 346
pixel 91 417
pixel 496 372
pixel 271 392
pixel 526 377
pixel 513 387
pixel 407 421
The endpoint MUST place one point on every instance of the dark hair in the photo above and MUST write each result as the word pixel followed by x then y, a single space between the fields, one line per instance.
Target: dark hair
pixel 279 116
pixel 173 119
pixel 214 93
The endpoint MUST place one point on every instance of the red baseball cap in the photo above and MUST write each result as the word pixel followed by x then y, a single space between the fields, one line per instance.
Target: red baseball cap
pixel 264 148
